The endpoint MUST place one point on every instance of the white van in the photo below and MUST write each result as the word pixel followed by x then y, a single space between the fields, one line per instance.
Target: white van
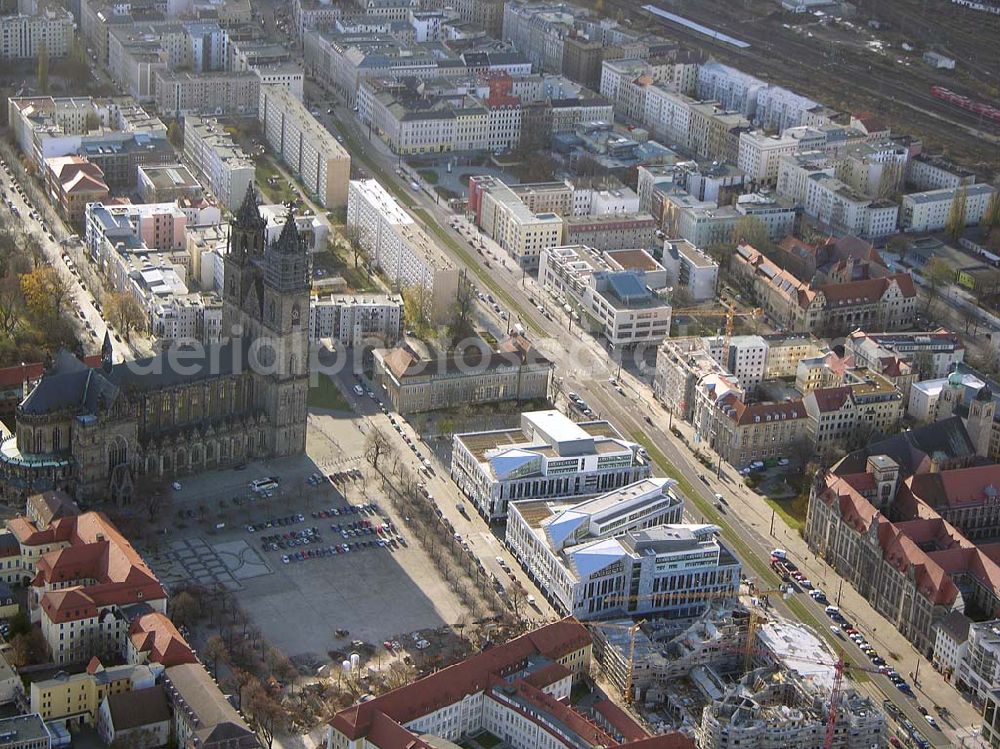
pixel 779 553
pixel 831 610
pixel 261 486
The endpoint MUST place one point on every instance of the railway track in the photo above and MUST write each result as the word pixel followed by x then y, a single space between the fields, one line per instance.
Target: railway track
pixel 779 59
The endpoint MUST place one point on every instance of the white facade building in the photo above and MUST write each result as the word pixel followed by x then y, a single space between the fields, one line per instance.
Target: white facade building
pixel 225 166
pixel 394 242
pixel 619 303
pixel 928 211
pixel 351 319
pixel 760 154
pixel 548 456
pixel 690 268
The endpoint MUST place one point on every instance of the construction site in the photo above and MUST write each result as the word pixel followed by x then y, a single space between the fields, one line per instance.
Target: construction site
pixel 739 676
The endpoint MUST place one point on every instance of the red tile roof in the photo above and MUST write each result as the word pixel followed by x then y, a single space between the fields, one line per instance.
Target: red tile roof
pixel 472 675
pixel 156 635
pixel 96 551
pixel 830 399
pixel 957 487
pixel 742 413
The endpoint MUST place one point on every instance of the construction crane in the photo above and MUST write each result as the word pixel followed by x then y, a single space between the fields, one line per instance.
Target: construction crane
pixel 730 314
pixel 756 617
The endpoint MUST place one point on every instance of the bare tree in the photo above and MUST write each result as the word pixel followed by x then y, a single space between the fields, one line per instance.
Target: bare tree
pixel 184 609
pixel 377 447
pixel 215 651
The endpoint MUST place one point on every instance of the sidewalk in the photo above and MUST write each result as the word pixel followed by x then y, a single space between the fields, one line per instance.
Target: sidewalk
pixel 932 689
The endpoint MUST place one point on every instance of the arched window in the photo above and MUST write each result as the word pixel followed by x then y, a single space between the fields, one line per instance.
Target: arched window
pixel 56 439
pixel 117 453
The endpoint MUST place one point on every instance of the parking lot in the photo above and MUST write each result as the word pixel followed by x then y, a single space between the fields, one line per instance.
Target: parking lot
pixel 350 563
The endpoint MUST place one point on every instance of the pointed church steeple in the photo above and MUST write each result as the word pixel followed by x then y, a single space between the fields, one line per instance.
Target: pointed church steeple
pixel 248 214
pixel 289 240
pixel 107 353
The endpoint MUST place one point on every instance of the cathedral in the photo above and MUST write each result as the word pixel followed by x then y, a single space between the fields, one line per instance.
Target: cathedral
pixel 97 433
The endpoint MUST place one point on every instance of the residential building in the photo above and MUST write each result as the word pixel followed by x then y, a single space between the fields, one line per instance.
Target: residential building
pixel 786 351
pixel 926 172
pixel 568 546
pixel 743 356
pixel 352 319
pixel 680 364
pixel 227 169
pixel 702 223
pixel 691 268
pixel 153 639
pixel 742 432
pixel 849 414
pixel 979 665
pixel 760 155
pixel 621 305
pixel 23 35
pixel 548 456
pixel 518 690
pixel 487 14
pixel 504 217
pixel 25 732
pixel 878 299
pixel 202 716
pixel 611 231
pixel 116 134
pixel 929 211
pixel 140 717
pixel 976 404
pixel 71 183
pixel 166 184
pixel 416 381
pixel 951 644
pixel 933 353
pixel 394 242
pixel 75 699
pixel 79 595
pixel 219 93
pixel 306 147
pixel 312 231
pixel 289 75
pixel 11 687
pixel 778 216
pixel 843 208
pixel 715 132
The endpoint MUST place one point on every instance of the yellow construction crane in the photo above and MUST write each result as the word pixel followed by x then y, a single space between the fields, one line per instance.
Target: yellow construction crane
pixel 756 618
pixel 730 314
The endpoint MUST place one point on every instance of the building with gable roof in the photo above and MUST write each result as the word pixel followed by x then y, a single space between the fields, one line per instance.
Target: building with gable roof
pixel 74 699
pixel 72 182
pixel 85 576
pixel 92 432
pixel 153 638
pixel 519 691
pixel 899 521
pixel 596 557
pixel 203 717
pixel 841 303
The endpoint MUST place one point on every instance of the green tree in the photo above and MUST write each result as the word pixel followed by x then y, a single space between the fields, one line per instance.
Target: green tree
pixel 954 225
pixel 45 292
pixel 937 274
pixel 184 609
pixel 125 313
pixel 42 69
pixel 991 216
pixel 175 134
pixel 752 231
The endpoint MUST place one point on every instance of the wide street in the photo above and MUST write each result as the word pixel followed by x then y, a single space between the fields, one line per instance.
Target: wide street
pixel 584 366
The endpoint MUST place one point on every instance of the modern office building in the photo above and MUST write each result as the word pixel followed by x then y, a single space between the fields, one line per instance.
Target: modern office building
pixel 624 306
pixel 548 456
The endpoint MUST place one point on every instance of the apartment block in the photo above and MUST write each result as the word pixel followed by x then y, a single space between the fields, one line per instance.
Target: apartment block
pixel 690 268
pixel 305 146
pixel 223 93
pixel 548 456
pixel 760 154
pixel 611 231
pixel 224 165
pixel 680 365
pixel 351 319
pixel 417 380
pixel 25 732
pixel 76 698
pixel 619 304
pixel 394 242
pixel 504 217
pixel 929 211
pixel 841 207
pixel 925 172
pixel 22 36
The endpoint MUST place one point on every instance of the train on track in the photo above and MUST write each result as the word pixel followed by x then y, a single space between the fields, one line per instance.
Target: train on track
pixel 964 102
